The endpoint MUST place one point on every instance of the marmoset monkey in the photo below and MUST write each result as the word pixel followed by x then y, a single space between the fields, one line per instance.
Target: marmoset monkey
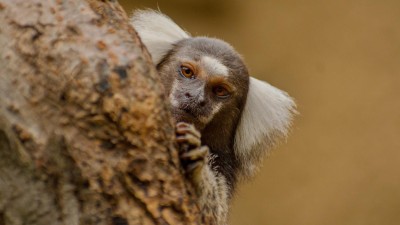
pixel 226 120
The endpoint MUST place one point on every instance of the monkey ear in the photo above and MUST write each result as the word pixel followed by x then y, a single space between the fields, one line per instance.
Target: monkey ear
pixel 157 31
pixel 266 118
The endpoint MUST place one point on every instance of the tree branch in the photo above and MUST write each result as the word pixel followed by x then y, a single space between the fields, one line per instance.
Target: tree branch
pixel 85 134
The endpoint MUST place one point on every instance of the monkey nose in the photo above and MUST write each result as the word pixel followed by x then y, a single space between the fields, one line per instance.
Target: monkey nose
pixel 200 101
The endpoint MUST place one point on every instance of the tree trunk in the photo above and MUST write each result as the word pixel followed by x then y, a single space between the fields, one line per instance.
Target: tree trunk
pixel 85 134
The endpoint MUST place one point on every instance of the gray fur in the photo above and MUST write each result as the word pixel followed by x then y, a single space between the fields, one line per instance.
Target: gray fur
pixel 238 129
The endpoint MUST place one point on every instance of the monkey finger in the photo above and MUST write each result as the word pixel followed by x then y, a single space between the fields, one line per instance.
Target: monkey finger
pixel 182 125
pixel 197 154
pixel 183 128
pixel 188 139
pixel 194 167
pixel 191 131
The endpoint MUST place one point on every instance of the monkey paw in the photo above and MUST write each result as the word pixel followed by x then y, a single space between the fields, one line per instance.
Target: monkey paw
pixel 193 155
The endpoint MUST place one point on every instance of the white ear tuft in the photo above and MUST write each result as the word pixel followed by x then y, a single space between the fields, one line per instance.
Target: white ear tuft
pixel 157 31
pixel 265 119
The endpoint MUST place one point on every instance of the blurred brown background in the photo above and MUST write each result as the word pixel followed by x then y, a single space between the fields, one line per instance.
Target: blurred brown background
pixel 340 60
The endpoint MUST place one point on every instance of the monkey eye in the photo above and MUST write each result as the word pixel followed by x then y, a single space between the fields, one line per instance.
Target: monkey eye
pixel 221 91
pixel 187 72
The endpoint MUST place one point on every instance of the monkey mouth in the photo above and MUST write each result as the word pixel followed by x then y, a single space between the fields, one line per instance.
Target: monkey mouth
pixel 182 115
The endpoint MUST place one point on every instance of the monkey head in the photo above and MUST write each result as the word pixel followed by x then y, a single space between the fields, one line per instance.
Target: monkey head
pixel 204 79
pixel 208 85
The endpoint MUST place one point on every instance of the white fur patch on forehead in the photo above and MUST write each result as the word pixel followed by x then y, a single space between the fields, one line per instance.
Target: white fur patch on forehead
pixel 214 66
pixel 265 119
pixel 157 31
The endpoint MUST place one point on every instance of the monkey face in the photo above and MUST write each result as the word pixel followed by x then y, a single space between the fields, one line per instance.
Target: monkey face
pixel 204 78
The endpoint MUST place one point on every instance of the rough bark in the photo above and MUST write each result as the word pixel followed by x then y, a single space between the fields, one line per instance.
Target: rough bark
pixel 85 135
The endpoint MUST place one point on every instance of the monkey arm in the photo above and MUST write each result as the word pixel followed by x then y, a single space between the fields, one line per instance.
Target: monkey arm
pixel 210 186
pixel 212 189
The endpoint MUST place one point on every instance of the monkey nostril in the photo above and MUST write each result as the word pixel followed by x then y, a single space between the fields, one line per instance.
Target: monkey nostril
pixel 202 103
pixel 188 95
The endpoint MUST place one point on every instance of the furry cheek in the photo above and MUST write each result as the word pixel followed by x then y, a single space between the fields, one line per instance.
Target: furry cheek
pixel 174 102
pixel 215 110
